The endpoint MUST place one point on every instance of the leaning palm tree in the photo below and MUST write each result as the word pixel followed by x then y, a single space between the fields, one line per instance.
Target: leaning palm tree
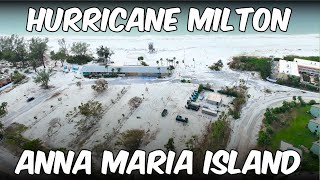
pixel 107 67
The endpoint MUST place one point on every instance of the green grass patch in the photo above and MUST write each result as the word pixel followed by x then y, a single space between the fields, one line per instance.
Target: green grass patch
pixel 297 133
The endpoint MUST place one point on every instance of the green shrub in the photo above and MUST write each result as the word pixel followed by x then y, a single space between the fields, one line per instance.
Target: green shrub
pixel 144 63
pixel 91 108
pixel 216 66
pixel 200 88
pixel 17 77
pixel 312 102
pixel 33 145
pixel 132 139
pixel 79 59
pixel 251 63
pixel 170 145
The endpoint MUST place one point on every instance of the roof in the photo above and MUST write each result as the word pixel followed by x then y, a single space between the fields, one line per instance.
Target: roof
pixel 307 63
pixel 286 146
pixel 209 110
pixel 214 97
pixel 125 69
pixel 316 120
pixel 316 105
pixel 288 67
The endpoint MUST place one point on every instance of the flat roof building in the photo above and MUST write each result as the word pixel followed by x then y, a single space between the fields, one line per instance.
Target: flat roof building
pixel 297 66
pixel 88 70
pixel 214 98
pixel 314 125
pixel 315 147
pixel 288 68
pixel 315 110
pixel 310 67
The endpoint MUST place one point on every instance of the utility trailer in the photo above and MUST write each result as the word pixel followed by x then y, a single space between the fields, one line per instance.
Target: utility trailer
pixel 209 112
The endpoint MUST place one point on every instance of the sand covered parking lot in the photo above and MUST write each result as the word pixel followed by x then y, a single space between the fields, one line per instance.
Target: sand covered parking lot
pixel 53 116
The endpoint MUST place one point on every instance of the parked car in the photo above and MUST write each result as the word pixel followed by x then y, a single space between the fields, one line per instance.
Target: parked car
pixel 193 99
pixel 179 118
pixel 164 113
pixel 30 99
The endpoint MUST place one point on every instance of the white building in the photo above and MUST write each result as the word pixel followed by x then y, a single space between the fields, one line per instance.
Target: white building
pixel 310 67
pixel 297 66
pixel 214 98
pixel 96 70
pixel 288 68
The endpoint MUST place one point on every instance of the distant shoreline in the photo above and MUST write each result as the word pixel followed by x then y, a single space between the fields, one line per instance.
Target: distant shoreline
pixel 146 37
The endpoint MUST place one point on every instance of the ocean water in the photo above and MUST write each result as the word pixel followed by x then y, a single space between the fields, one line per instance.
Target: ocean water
pixel 304 18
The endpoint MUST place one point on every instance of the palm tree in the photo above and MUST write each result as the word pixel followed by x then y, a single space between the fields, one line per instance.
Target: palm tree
pixel 107 67
pixel 177 62
pixel 158 63
pixel 161 61
pixel 119 70
pixel 112 70
pixel 172 62
pixel 167 61
pixel 159 70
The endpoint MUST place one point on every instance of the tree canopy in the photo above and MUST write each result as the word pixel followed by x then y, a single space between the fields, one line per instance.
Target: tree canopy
pixel 80 48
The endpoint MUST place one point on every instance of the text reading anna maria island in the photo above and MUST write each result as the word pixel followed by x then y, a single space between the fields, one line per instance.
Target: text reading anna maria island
pixel 220 162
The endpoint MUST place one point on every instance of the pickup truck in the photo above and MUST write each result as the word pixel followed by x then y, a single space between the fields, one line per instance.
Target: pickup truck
pixel 179 118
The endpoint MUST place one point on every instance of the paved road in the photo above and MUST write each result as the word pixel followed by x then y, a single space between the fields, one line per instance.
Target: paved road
pixel 8 119
pixel 245 131
pixel 7 161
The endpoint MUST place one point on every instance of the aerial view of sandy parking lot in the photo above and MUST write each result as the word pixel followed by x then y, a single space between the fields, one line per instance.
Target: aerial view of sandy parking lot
pixel 170 92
